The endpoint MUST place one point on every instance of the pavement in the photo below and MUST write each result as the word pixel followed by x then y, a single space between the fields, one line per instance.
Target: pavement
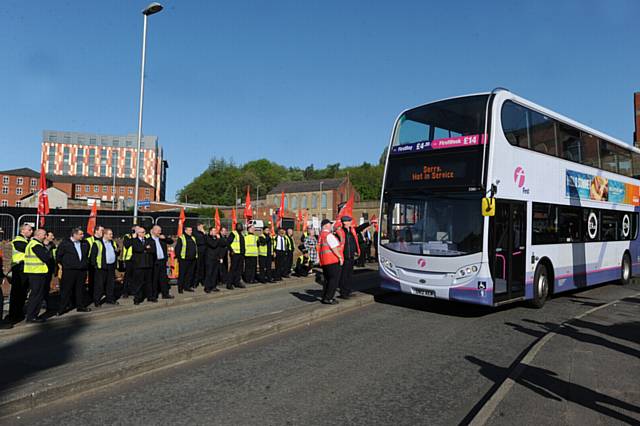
pixel 401 360
pixel 82 351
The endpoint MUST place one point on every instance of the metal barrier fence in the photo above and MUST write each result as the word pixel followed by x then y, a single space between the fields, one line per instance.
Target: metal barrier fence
pixel 61 225
pixel 170 224
pixel 7 227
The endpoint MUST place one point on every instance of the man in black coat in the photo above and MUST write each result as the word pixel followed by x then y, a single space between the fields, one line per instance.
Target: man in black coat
pixel 159 279
pixel 35 269
pixel 19 284
pixel 73 257
pixel 200 236
pixel 213 261
pixel 223 246
pixel 104 259
pixel 142 266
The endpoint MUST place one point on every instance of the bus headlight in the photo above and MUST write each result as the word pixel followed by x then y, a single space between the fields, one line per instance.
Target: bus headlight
pixel 388 266
pixel 466 270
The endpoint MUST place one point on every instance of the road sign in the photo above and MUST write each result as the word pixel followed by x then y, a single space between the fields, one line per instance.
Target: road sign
pixel 144 203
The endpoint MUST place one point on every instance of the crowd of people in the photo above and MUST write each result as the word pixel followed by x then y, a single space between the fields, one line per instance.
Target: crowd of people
pixel 87 267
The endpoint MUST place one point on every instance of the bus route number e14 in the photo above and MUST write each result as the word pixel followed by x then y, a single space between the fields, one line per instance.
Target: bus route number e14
pixel 432 173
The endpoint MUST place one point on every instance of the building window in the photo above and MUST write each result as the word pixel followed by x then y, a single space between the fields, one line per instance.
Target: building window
pixel 286 202
pixel 104 188
pixel 5 203
pixel 304 202
pixel 52 137
pixel 79 161
pixel 5 190
pixel 96 188
pixel 78 188
pixel 67 139
pixel 5 180
pixel 147 192
pixel 34 183
pixel 129 143
pixel 130 191
pixel 275 200
pixel 65 160
pixel 18 203
pixel 294 202
pixel 324 201
pixel 19 181
pixel 314 201
pixel 122 189
pixel 92 141
pixel 18 191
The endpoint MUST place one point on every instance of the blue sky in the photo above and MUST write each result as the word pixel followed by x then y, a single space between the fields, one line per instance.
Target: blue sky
pixel 300 82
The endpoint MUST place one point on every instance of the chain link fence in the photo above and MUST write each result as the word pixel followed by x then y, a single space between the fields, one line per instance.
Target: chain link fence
pixel 61 225
pixel 7 227
pixel 169 225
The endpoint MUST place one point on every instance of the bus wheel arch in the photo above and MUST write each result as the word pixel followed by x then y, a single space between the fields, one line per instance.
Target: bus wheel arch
pixel 626 268
pixel 542 283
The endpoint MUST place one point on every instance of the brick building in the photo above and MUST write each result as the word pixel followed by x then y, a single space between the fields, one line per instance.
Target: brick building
pixel 90 155
pixel 17 183
pixel 319 197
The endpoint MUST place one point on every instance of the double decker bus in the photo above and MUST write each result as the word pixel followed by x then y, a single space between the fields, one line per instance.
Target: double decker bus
pixel 490 199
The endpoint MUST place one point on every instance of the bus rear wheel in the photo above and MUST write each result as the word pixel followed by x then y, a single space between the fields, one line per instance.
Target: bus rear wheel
pixel 625 270
pixel 540 286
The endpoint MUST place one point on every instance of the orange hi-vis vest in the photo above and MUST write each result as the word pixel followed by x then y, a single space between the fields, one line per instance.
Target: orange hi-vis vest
pixel 327 256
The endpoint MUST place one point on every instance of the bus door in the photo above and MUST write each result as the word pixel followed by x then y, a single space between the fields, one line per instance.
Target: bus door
pixel 508 250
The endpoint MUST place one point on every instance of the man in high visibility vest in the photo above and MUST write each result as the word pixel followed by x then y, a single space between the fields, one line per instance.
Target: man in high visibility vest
pixel 303 264
pixel 19 284
pixel 187 253
pixel 127 253
pixel 97 235
pixel 331 261
pixel 250 255
pixel 103 257
pixel 36 257
pixel 50 245
pixel 265 256
pixel 237 246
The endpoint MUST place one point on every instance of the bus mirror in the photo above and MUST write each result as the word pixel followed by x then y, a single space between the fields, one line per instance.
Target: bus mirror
pixel 488 206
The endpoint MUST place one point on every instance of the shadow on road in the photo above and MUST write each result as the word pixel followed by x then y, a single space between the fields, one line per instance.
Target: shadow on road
pixel 437 306
pixel 48 347
pixel 547 384
pixel 309 296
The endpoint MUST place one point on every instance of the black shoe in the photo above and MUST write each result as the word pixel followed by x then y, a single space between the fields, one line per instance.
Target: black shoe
pixel 137 302
pixel 96 304
pixel 180 291
pixel 112 303
pixel 241 285
pixel 83 310
pixel 36 320
pixel 329 302
pixel 206 290
pixel 229 287
pixel 5 325
pixel 169 296
pixel 345 296
pixel 215 289
pixel 190 290
pixel 125 296
pixel 152 300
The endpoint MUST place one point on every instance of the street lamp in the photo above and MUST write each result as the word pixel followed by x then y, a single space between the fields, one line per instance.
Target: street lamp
pixel 150 10
pixel 258 198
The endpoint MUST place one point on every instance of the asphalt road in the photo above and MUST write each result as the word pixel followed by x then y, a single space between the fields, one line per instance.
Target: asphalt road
pixel 404 360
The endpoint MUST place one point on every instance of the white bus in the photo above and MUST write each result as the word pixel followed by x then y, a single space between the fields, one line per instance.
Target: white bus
pixel 491 199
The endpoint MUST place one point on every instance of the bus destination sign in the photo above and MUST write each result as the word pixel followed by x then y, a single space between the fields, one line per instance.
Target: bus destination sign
pixel 457 142
pixel 430 172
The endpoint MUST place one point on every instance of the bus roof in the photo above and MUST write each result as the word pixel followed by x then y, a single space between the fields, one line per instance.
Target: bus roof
pixel 507 94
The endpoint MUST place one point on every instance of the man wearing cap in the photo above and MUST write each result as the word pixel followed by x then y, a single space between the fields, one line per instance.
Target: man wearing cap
pixel 350 252
pixel 331 261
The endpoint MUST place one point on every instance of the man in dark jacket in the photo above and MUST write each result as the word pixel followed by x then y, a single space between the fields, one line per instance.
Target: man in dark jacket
pixel 141 257
pixel 35 269
pixel 303 264
pixel 236 244
pixel 223 246
pixel 290 245
pixel 200 236
pixel 186 251
pixel 159 279
pixel 213 261
pixel 351 251
pixel 50 245
pixel 104 258
pixel 73 257
pixel 19 284
pixel 128 264
pixel 265 258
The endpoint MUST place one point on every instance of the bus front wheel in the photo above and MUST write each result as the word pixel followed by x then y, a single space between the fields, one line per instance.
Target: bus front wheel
pixel 625 272
pixel 540 286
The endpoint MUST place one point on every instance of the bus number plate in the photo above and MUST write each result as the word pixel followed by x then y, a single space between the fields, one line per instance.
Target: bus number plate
pixel 424 292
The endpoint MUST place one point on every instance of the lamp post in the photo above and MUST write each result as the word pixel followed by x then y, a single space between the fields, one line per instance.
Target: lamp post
pixel 258 199
pixel 150 10
pixel 320 203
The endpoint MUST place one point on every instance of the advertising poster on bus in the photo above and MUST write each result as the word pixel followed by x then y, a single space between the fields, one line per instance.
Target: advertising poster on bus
pixel 585 186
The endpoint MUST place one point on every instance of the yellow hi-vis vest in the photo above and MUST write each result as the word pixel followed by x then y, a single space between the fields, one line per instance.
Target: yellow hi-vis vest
pixel 235 245
pixel 17 256
pixel 127 253
pixel 288 242
pixel 32 263
pixel 262 249
pixel 250 245
pixel 183 250
pixel 100 248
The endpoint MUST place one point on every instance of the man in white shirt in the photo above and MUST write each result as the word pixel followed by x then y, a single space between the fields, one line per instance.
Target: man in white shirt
pixel 281 255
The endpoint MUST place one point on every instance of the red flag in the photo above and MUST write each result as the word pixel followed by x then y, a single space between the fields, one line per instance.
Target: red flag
pixel 273 230
pixel 43 199
pixel 91 225
pixel 181 222
pixel 234 219
pixel 304 221
pixel 347 209
pixel 281 210
pixel 248 213
pixel 217 220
